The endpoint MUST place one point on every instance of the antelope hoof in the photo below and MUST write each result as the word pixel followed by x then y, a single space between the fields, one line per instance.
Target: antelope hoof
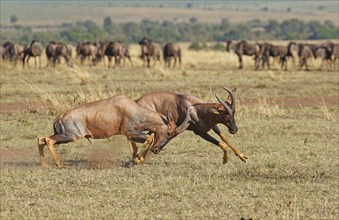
pixel 225 159
pixel 59 165
pixel 139 160
pixel 242 157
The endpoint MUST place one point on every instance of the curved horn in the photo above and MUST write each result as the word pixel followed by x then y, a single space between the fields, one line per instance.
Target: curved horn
pixel 186 123
pixel 232 96
pixel 224 104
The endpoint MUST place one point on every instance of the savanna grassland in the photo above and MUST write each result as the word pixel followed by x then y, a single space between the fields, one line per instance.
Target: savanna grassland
pixel 292 150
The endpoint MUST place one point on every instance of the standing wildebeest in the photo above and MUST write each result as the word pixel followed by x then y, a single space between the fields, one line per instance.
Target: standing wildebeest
pixel 148 51
pixel 112 116
pixel 205 116
pixel 34 50
pixel 245 48
pixel 50 52
pixel 87 50
pixel 171 50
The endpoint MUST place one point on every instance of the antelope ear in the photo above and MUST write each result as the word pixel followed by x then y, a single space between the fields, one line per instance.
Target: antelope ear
pixel 215 111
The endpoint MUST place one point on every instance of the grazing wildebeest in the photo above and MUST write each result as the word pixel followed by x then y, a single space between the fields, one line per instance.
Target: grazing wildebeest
pixel 335 55
pixel 269 50
pixel 13 51
pixel 87 50
pixel 171 50
pixel 34 50
pixel 245 48
pixel 292 51
pixel 116 50
pixel 205 116
pixel 65 51
pixel 112 116
pixel 149 50
pixel 305 52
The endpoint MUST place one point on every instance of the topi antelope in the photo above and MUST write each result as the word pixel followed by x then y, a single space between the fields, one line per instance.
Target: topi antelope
pixel 205 116
pixel 105 118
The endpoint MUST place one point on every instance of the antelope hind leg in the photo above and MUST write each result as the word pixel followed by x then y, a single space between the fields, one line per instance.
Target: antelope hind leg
pixel 41 145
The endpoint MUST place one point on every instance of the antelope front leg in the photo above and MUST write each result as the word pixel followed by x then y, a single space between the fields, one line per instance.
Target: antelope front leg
pixel 149 141
pixel 50 142
pixel 235 150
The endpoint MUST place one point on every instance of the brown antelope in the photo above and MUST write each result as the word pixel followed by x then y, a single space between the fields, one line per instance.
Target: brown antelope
pixel 205 116
pixel 105 118
pixel 34 50
pixel 148 51
pixel 245 48
pixel 171 50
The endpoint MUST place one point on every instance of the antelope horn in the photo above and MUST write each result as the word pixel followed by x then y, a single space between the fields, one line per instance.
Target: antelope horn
pixel 232 96
pixel 224 104
pixel 186 123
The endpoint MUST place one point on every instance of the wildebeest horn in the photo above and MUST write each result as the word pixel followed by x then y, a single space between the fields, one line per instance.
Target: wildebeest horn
pixel 232 96
pixel 224 104
pixel 186 123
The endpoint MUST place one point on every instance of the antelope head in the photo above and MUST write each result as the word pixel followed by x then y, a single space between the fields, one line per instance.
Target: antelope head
pixel 227 111
pixel 171 130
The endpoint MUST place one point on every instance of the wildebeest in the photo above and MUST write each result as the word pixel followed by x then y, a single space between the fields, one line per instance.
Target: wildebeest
pixel 13 51
pixel 112 116
pixel 65 51
pixel 50 53
pixel 305 52
pixel 149 50
pixel 269 50
pixel 245 48
pixel 119 51
pixel 87 50
pixel 205 116
pixel 34 50
pixel 171 51
pixel 292 51
pixel 335 55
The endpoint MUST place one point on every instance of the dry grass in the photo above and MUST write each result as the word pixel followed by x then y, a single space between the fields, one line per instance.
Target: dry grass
pixel 291 172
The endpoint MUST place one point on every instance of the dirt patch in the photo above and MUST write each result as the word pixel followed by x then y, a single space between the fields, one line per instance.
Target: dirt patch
pixel 12 107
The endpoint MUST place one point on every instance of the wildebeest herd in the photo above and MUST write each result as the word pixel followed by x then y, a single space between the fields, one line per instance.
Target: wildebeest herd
pixel 327 51
pixel 95 53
